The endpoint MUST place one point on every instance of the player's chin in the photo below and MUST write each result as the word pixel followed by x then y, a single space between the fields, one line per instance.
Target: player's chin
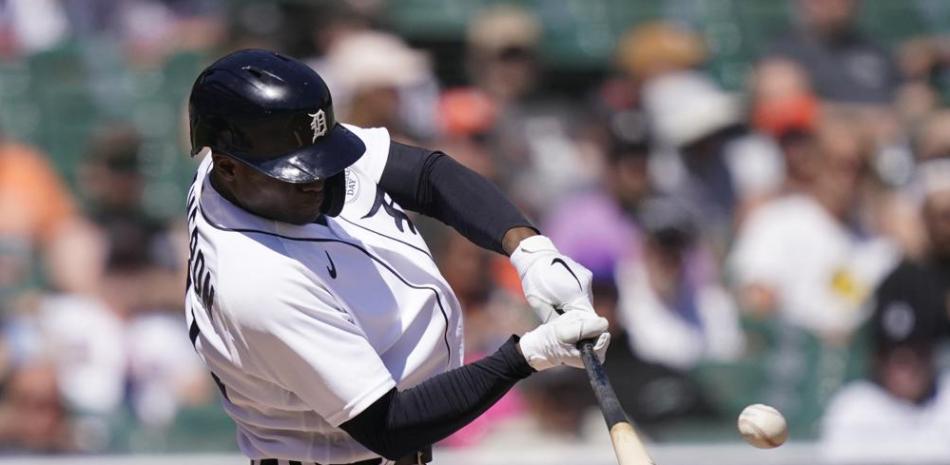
pixel 310 216
pixel 305 212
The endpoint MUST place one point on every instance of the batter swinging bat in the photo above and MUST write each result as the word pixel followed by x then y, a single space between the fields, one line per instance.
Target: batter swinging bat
pixel 626 442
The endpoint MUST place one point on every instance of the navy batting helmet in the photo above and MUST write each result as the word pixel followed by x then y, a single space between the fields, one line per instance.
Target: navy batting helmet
pixel 274 114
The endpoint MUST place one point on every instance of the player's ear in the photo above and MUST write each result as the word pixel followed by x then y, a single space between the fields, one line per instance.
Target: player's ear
pixel 225 167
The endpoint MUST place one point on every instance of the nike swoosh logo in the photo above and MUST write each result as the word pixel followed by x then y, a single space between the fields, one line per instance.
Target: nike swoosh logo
pixel 569 270
pixel 332 267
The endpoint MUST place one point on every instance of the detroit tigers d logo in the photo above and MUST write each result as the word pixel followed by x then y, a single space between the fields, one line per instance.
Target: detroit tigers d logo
pixel 318 124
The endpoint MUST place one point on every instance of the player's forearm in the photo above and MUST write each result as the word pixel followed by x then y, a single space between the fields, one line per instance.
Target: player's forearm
pixel 435 185
pixel 404 421
pixel 474 206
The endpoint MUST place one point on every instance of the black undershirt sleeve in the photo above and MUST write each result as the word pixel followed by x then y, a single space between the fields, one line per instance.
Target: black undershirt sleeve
pixel 402 422
pixel 434 184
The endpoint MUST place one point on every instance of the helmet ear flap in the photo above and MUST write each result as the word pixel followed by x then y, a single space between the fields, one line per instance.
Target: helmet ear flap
pixel 334 194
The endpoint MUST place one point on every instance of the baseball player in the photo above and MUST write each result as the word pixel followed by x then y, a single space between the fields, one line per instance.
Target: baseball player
pixel 313 299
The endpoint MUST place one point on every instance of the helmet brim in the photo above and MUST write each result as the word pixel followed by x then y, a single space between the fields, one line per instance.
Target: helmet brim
pixel 329 155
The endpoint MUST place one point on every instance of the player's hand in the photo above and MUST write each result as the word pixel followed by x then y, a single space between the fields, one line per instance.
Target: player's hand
pixel 555 342
pixel 552 282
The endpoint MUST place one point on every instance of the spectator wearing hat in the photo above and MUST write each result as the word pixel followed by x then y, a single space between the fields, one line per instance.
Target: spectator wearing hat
pixel 377 80
pixel 708 158
pixel 502 52
pixel 785 108
pixel 656 48
pixel 536 137
pixel 501 65
pixel 644 53
pixel 901 413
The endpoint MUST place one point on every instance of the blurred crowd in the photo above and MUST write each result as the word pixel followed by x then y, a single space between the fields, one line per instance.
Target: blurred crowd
pixel 786 243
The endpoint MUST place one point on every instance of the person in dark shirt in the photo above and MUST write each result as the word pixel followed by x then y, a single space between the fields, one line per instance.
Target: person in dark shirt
pixel 843 65
pixel 904 399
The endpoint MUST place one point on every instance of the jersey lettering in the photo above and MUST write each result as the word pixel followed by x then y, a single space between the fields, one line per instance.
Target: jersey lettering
pixel 201 280
pixel 199 275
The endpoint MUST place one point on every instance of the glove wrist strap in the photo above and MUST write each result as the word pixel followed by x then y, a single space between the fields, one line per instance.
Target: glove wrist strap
pixel 523 256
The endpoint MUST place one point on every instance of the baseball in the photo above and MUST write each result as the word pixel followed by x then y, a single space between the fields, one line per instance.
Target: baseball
pixel 762 426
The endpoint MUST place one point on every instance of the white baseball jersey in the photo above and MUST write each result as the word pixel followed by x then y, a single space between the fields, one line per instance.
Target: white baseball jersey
pixel 303 327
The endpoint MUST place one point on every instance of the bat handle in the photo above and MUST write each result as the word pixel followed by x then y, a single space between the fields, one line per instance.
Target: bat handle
pixel 627 444
pixel 606 397
pixel 588 355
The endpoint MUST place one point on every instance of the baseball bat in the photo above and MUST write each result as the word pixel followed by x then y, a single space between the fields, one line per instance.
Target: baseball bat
pixel 627 444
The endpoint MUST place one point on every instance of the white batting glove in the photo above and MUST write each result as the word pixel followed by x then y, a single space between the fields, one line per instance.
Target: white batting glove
pixel 555 342
pixel 552 282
